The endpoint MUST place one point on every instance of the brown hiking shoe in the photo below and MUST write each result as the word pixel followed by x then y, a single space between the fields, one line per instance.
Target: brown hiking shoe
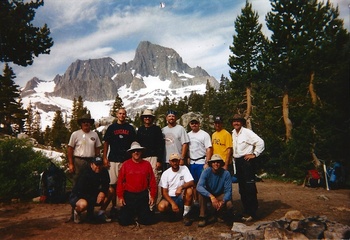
pixel 202 222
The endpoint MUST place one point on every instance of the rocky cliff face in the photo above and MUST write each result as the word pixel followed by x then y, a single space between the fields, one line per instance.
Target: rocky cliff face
pixel 100 79
pixel 91 79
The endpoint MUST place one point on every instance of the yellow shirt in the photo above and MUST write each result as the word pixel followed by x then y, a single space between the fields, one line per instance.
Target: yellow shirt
pixel 221 142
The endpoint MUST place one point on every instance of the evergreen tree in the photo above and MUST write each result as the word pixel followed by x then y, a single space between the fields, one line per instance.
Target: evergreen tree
pixel 28 125
pixel 11 111
pixel 304 35
pixel 247 54
pixel 59 132
pixel 78 110
pixel 20 40
pixel 118 103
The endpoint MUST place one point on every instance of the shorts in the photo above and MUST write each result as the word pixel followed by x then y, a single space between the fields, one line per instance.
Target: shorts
pixel 196 171
pixel 114 172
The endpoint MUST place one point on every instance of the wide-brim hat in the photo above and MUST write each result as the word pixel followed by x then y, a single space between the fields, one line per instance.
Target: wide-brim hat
pixel 215 158
pixel 86 118
pixel 147 112
pixel 238 117
pixel 135 146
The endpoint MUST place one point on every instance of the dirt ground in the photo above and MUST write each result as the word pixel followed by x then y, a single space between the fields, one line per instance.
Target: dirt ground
pixel 48 221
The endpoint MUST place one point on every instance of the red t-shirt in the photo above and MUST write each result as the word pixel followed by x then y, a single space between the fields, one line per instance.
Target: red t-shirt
pixel 136 177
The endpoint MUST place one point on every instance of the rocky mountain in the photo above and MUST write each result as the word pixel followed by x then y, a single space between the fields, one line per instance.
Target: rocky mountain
pixel 154 73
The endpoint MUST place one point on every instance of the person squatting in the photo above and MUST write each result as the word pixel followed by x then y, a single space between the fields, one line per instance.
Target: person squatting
pixel 195 183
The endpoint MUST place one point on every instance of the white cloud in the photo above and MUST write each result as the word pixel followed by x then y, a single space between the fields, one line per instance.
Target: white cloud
pixel 86 29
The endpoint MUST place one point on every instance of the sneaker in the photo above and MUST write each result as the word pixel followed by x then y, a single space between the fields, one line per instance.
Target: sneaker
pixel 247 219
pixel 102 218
pixel 202 222
pixel 76 217
pixel 187 221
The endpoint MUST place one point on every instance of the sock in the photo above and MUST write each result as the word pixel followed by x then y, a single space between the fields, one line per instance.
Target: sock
pixel 186 209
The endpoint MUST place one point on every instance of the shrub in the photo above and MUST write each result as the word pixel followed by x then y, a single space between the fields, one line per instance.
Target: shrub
pixel 20 168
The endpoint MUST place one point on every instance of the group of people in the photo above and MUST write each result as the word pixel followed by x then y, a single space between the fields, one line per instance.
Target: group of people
pixel 196 170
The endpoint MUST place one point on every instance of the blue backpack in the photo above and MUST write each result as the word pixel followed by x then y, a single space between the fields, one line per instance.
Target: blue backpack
pixel 53 185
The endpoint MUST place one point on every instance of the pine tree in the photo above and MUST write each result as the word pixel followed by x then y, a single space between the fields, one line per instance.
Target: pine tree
pixel 20 40
pixel 118 103
pixel 59 132
pixel 28 125
pixel 304 36
pixel 11 111
pixel 247 54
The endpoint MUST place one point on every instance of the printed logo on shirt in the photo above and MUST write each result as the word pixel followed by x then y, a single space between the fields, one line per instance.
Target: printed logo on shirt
pixel 182 178
pixel 121 132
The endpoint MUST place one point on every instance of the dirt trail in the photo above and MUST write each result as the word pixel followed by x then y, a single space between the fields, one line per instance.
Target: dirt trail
pixel 48 221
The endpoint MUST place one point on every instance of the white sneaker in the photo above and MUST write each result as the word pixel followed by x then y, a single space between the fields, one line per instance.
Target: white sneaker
pixel 77 217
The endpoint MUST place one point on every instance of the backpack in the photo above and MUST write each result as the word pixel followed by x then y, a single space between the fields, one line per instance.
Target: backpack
pixel 335 175
pixel 53 185
pixel 313 178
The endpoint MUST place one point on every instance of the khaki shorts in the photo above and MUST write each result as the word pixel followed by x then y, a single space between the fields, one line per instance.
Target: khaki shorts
pixel 114 172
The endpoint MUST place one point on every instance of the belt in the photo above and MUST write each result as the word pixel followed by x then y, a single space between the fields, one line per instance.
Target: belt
pixel 196 159
pixel 88 159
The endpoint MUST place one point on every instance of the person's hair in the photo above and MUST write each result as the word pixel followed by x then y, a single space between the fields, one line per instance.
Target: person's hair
pixel 122 108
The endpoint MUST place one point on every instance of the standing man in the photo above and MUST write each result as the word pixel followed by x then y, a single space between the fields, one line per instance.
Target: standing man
pixel 247 147
pixel 136 189
pixel 222 142
pixel 176 183
pixel 215 187
pixel 176 139
pixel 117 141
pixel 200 151
pixel 83 146
pixel 151 138
pixel 91 188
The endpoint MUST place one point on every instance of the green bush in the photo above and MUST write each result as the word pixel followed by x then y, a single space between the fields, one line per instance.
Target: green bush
pixel 20 168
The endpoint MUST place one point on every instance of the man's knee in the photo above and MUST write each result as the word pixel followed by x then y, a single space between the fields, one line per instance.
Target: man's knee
pixel 162 206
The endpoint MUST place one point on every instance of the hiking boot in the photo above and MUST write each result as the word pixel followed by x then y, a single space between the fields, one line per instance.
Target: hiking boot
pixel 113 213
pixel 187 221
pixel 102 218
pixel 76 217
pixel 202 222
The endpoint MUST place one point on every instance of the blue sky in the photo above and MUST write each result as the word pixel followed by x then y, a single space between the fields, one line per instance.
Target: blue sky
pixel 199 30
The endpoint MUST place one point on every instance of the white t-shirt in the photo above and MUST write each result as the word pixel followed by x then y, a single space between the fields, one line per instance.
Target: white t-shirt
pixel 199 142
pixel 174 138
pixel 172 180
pixel 84 144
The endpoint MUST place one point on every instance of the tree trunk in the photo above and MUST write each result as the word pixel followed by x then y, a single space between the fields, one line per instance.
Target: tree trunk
pixel 287 121
pixel 249 107
pixel 312 89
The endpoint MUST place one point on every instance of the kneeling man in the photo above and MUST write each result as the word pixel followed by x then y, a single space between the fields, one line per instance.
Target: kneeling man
pixel 215 187
pixel 90 189
pixel 176 184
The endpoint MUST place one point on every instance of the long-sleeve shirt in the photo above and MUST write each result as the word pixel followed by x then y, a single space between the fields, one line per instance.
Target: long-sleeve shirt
pixel 246 142
pixel 215 183
pixel 152 139
pixel 90 183
pixel 136 177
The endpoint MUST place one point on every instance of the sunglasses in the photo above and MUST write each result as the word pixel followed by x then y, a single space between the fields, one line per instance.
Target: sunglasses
pixel 193 123
pixel 135 150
